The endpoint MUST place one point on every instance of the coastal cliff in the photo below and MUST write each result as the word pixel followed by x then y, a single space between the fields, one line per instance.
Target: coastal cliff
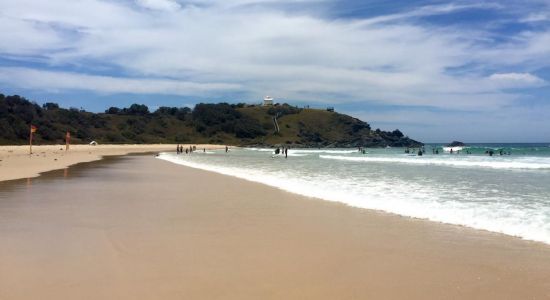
pixel 235 124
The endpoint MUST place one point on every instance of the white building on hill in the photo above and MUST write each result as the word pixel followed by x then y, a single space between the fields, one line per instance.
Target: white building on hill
pixel 268 101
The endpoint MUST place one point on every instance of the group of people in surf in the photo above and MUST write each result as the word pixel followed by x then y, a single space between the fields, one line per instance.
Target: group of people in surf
pixel 500 152
pixel 191 149
pixel 420 151
pixel 282 150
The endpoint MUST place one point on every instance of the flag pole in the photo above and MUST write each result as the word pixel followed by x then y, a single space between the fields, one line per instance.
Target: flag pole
pixel 30 140
pixel 67 140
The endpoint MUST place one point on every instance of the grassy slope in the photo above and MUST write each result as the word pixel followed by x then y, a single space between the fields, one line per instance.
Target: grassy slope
pixel 306 125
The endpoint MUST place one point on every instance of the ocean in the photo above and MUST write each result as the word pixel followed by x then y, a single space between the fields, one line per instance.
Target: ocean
pixel 507 193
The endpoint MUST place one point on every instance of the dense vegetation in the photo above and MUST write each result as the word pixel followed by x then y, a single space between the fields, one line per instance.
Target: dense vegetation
pixel 236 124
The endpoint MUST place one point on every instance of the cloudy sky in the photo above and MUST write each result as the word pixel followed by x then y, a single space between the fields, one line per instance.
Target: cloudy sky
pixel 438 70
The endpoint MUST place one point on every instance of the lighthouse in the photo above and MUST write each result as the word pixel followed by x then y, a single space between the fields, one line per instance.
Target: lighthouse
pixel 268 101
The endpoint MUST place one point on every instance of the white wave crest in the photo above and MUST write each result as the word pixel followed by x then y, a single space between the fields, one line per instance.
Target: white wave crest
pixel 314 151
pixel 534 163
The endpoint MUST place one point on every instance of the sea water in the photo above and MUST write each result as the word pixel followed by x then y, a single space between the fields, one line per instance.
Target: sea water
pixel 507 193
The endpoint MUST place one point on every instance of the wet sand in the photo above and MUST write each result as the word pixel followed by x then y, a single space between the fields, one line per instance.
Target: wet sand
pixel 16 162
pixel 141 228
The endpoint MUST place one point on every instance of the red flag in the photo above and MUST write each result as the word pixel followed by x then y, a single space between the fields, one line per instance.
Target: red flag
pixel 33 129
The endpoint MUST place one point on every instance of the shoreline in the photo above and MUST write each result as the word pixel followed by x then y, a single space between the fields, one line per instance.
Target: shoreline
pixel 159 149
pixel 17 163
pixel 317 197
pixel 121 150
pixel 208 235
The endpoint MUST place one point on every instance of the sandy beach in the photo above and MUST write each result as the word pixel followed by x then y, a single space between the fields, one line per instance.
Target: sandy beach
pixel 16 162
pixel 137 227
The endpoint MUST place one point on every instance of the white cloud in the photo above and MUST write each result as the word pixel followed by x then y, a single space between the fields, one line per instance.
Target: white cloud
pixel 54 81
pixel 166 5
pixel 216 44
pixel 516 80
pixel 430 10
pixel 536 17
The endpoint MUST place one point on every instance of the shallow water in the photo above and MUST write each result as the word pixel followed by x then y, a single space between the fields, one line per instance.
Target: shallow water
pixel 502 193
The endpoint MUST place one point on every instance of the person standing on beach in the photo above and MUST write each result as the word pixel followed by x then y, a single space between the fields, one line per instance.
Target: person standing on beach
pixel 226 149
pixel 286 152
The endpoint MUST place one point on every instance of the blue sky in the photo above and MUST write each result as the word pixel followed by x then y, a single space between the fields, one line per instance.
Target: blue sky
pixel 439 70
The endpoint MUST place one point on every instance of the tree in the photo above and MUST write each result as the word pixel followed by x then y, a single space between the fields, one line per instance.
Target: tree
pixel 397 133
pixel 113 110
pixel 136 109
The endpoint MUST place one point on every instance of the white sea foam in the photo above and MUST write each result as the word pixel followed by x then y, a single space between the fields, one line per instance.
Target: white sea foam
pixel 306 151
pixel 495 162
pixel 315 151
pixel 260 149
pixel 413 199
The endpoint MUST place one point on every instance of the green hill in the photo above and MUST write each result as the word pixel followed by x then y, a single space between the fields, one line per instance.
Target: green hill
pixel 233 124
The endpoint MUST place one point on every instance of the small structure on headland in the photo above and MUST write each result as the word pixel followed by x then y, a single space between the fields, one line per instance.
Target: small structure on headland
pixel 268 101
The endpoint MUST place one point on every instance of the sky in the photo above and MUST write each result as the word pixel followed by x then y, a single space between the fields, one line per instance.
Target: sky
pixel 475 71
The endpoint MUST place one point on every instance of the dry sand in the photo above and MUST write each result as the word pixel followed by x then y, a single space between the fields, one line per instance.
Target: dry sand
pixel 16 162
pixel 140 228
